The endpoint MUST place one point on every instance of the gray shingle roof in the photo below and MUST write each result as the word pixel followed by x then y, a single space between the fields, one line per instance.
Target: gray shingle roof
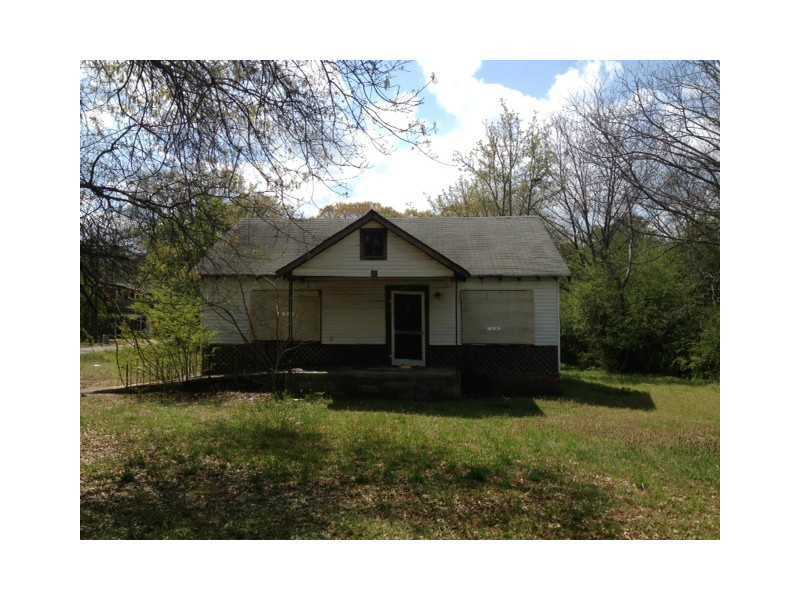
pixel 485 246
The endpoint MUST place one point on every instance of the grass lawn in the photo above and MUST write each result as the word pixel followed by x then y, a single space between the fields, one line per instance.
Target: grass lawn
pixel 610 458
pixel 99 369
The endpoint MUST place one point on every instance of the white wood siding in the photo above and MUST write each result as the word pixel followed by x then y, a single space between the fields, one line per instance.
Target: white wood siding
pixel 353 310
pixel 442 313
pixel 343 259
pixel 226 314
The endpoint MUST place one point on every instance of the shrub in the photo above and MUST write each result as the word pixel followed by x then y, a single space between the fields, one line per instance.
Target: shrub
pixel 704 359
pixel 658 322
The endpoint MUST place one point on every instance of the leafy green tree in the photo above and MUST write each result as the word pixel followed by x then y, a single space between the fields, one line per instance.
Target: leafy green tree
pixel 168 292
pixel 176 334
pixel 649 326
pixel 704 356
pixel 508 172
pixel 353 210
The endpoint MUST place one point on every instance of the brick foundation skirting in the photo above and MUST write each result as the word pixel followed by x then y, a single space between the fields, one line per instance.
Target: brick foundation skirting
pixel 509 369
pixel 510 358
pixel 487 368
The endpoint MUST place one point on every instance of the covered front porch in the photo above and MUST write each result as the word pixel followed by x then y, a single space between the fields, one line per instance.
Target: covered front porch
pixel 333 322
pixel 375 327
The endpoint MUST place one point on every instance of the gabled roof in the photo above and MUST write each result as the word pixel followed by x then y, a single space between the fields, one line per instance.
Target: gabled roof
pixel 480 246
pixel 371 215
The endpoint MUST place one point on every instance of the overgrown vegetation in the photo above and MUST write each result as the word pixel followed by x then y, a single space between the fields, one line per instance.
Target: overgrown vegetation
pixel 169 297
pixel 613 457
pixel 660 321
pixel 627 180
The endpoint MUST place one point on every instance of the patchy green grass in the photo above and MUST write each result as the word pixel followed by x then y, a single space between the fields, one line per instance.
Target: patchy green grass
pixel 610 458
pixel 99 369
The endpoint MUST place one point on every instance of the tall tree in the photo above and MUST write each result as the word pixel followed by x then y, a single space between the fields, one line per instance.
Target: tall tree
pixel 638 163
pixel 160 138
pixel 207 123
pixel 353 210
pixel 594 207
pixel 508 172
pixel 626 178
pixel 661 125
pixel 593 201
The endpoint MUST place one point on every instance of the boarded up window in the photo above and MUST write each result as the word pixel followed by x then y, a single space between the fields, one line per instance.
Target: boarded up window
pixel 269 312
pixel 497 317
pixel 307 320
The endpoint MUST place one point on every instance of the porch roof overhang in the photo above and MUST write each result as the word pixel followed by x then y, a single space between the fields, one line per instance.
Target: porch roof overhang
pixel 459 271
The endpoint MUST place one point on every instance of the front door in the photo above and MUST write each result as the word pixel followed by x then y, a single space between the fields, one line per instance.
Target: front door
pixel 408 328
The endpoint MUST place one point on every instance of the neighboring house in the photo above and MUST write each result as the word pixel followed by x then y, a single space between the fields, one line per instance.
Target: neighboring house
pixel 480 294
pixel 106 306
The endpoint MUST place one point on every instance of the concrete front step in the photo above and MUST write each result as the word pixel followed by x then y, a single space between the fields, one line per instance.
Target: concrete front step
pixel 403 384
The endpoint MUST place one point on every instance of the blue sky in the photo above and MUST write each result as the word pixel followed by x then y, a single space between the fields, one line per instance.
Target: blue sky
pixel 466 92
pixel 530 77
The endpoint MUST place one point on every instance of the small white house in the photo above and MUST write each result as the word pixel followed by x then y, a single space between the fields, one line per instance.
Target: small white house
pixel 480 294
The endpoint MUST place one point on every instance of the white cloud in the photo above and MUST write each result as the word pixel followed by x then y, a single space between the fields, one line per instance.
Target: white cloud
pixel 405 177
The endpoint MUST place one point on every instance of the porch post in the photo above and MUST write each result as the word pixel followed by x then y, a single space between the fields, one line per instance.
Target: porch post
pixel 291 308
pixel 455 312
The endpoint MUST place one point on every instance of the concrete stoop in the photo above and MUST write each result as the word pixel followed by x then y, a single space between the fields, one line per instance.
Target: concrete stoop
pixel 389 382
